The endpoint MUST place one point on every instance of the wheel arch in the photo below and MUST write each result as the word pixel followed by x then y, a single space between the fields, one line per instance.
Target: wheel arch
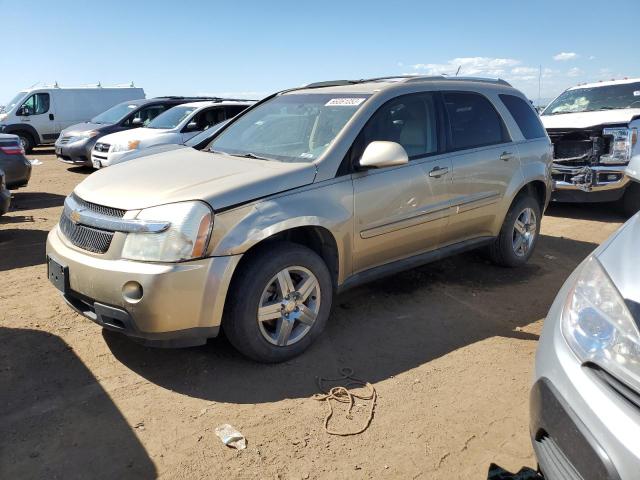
pixel 15 129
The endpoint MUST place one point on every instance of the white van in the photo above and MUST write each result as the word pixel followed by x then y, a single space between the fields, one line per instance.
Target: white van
pixel 38 115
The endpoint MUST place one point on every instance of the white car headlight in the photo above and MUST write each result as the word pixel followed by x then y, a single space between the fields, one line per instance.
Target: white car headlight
pixel 125 147
pixel 598 325
pixel 186 238
pixel 622 141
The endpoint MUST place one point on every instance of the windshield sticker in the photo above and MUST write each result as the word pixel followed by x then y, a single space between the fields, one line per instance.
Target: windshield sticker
pixel 344 102
pixel 636 93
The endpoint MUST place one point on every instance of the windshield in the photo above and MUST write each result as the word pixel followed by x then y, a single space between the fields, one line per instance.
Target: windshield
pixel 171 118
pixel 289 128
pixel 12 103
pixel 610 97
pixel 114 114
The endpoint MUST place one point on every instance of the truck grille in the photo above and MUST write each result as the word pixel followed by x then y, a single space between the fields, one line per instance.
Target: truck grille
pixel 89 238
pixel 101 147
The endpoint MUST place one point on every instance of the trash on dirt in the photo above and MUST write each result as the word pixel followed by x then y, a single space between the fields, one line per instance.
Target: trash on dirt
pixel 35 162
pixel 231 437
pixel 549 257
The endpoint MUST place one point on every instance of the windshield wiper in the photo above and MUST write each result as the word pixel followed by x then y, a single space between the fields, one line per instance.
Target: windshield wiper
pixel 251 155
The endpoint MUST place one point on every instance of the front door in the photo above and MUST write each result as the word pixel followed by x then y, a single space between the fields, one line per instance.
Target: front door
pixel 39 113
pixel 401 211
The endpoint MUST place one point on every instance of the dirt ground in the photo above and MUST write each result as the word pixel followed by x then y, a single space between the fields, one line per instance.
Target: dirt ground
pixel 449 348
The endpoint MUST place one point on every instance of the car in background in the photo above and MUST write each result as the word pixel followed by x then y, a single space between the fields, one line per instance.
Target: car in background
pixel 175 126
pixel 75 143
pixel 594 130
pixel 38 115
pixel 311 191
pixel 5 195
pixel 16 167
pixel 585 399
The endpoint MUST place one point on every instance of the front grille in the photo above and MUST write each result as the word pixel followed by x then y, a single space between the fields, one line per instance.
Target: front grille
pixel 553 462
pixel 109 211
pixel 87 238
pixel 631 395
pixel 101 147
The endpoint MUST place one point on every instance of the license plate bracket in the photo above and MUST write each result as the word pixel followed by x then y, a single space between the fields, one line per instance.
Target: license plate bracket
pixel 58 275
pixel 97 164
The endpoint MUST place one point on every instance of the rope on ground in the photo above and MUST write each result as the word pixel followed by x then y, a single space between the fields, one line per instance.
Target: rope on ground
pixel 343 394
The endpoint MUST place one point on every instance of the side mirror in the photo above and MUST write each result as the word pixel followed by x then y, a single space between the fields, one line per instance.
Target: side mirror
pixel 192 127
pixel 381 154
pixel 137 122
pixel 23 112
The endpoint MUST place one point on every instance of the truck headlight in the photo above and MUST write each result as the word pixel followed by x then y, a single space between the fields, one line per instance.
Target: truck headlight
pixel 125 147
pixel 598 325
pixel 622 141
pixel 186 238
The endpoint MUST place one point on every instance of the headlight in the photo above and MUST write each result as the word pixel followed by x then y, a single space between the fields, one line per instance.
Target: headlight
pixel 622 141
pixel 125 147
pixel 187 237
pixel 598 326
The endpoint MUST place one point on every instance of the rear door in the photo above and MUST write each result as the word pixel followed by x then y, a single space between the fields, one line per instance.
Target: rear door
pixel 401 211
pixel 484 162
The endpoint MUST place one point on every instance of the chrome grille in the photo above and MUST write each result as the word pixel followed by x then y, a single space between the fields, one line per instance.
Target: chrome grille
pixel 64 139
pixel 112 212
pixel 87 238
pixel 101 147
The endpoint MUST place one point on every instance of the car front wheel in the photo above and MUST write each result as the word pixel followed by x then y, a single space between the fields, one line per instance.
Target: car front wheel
pixel 279 303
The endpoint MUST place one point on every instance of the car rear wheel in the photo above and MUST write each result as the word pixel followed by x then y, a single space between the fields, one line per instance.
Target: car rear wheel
pixel 519 234
pixel 279 302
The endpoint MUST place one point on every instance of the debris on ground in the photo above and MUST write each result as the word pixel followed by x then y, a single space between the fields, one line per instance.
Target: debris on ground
pixel 345 394
pixel 231 437
pixel 35 162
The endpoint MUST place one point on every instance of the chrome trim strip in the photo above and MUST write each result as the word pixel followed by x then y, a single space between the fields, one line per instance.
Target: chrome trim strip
pixel 81 215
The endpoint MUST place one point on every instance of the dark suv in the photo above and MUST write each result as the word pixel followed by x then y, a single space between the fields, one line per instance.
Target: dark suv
pixel 75 143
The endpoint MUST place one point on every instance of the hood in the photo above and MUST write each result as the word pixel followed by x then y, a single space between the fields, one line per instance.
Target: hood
pixel 589 119
pixel 85 127
pixel 619 258
pixel 141 133
pixel 187 174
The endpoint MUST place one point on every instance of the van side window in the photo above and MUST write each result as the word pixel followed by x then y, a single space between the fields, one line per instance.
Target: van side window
pixel 146 114
pixel 409 120
pixel 524 115
pixel 208 118
pixel 37 104
pixel 233 110
pixel 473 121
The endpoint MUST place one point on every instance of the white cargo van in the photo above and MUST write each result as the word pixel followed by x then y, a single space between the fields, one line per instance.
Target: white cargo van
pixel 38 115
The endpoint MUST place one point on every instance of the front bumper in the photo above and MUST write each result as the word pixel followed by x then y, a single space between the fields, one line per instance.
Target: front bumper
pixel 578 422
pixel 77 153
pixel 181 303
pixel 588 183
pixel 106 159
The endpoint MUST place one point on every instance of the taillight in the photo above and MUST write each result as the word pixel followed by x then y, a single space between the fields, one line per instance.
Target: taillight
pixel 12 149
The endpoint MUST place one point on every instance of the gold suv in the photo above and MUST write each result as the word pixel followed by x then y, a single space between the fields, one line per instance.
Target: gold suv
pixel 309 192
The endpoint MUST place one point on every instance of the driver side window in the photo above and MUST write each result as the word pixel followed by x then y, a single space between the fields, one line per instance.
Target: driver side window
pixel 145 115
pixel 36 104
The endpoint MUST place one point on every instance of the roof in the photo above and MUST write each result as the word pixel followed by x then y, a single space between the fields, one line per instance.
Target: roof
pixel 605 84
pixel 373 85
pixel 211 103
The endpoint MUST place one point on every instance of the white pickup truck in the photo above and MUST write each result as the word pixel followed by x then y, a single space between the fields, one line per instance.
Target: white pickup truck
pixel 594 130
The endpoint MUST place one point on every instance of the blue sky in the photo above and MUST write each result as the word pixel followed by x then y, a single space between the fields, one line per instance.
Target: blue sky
pixel 252 48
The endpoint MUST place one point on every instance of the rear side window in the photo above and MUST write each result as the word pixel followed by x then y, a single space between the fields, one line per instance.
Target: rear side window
pixel 409 120
pixel 233 110
pixel 473 120
pixel 525 117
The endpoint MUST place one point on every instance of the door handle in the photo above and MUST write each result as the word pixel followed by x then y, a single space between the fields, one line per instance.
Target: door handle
pixel 51 116
pixel 506 156
pixel 437 172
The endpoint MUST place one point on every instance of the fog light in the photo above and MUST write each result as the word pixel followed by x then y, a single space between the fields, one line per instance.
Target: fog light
pixel 132 292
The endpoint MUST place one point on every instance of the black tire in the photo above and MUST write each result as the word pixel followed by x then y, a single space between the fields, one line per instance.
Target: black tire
pixel 630 201
pixel 501 251
pixel 27 141
pixel 240 323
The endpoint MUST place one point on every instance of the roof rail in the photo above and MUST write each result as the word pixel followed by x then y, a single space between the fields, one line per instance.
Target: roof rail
pixel 204 99
pixel 498 81
pixel 406 78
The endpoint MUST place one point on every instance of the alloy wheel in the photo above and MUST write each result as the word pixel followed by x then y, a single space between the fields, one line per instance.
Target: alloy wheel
pixel 524 232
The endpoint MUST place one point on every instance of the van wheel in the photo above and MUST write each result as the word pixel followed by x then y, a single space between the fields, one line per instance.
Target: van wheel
pixel 26 141
pixel 519 233
pixel 631 199
pixel 280 302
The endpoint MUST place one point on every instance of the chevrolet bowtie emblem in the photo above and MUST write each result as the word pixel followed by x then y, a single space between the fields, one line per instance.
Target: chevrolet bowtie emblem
pixel 75 216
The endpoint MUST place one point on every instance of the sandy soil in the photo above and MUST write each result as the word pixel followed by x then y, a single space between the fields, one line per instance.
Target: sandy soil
pixel 449 348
